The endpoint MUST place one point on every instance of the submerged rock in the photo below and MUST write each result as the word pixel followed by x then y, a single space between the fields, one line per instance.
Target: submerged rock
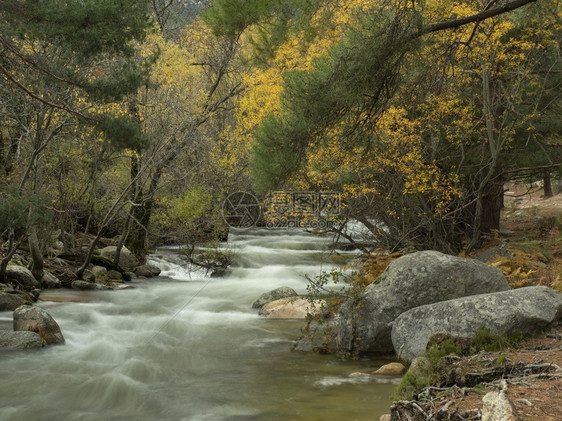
pixel 523 310
pixel 411 281
pixel 10 340
pixel 276 294
pixel 35 319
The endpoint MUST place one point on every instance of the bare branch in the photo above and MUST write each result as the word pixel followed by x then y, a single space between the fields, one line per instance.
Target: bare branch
pixel 44 101
pixel 478 17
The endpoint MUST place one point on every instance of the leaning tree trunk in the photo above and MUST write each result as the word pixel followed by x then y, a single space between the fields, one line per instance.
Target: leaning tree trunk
pixel 36 254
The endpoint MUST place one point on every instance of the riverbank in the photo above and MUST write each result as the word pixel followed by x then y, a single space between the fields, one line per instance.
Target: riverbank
pixel 530 374
pixel 528 250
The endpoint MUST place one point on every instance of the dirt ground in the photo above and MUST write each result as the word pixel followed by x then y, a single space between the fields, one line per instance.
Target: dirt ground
pixel 530 197
pixel 534 396
pixel 531 230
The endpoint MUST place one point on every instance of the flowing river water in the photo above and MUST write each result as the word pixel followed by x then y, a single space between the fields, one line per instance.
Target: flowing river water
pixel 184 347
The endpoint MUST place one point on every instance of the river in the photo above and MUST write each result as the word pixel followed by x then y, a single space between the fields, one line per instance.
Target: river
pixel 184 347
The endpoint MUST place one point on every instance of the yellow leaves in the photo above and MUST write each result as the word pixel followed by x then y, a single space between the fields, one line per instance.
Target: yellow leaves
pixel 520 268
pixel 297 53
pixel 185 210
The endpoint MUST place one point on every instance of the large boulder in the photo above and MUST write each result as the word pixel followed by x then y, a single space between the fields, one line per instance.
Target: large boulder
pixel 35 319
pixel 524 310
pixel 9 302
pixel 290 308
pixel 22 277
pixel 413 280
pixel 148 271
pixel 11 341
pixel 276 294
pixel 127 259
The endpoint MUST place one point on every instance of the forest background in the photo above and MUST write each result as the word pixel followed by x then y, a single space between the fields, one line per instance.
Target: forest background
pixel 134 120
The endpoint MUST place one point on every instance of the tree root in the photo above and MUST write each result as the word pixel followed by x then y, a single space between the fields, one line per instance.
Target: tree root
pixel 417 411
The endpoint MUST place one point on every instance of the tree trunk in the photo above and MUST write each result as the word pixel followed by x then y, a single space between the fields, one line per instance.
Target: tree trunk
pixel 547 185
pixel 141 218
pixel 492 204
pixel 142 212
pixel 122 239
pixel 12 247
pixel 36 253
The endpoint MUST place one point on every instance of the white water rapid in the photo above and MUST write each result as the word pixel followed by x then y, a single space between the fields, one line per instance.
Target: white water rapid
pixel 182 348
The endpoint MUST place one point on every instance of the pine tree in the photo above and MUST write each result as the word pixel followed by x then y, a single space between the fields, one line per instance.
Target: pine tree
pixel 85 47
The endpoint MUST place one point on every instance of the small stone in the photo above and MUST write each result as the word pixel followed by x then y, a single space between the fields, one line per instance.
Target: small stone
pixel 496 406
pixel 392 369
pixel 385 417
pixel 34 294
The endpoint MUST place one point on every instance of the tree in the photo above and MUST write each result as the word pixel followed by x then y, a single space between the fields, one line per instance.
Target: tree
pixel 340 105
pixel 64 64
pixel 195 82
pixel 86 46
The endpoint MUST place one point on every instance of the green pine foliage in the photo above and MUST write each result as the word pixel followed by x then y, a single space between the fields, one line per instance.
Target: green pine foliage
pixel 86 48
pixel 19 211
pixel 356 78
